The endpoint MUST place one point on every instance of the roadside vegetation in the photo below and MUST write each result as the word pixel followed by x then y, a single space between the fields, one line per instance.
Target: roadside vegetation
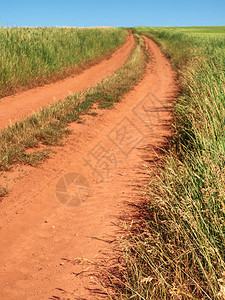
pixel 176 248
pixel 48 127
pixel 34 56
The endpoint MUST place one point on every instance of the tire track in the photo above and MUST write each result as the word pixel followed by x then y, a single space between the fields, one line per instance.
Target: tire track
pixel 40 236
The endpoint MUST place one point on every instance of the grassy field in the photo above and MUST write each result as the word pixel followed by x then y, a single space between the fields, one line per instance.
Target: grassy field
pixel 33 56
pixel 48 127
pixel 193 31
pixel 177 249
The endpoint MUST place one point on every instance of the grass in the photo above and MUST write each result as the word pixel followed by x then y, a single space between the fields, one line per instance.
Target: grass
pixel 3 191
pixel 33 56
pixel 48 127
pixel 176 247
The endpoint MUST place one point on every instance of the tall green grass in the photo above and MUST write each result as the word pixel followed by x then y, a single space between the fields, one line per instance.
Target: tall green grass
pixel 32 56
pixel 176 249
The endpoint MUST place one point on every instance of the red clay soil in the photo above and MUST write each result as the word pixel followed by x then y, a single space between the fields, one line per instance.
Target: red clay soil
pixel 14 108
pixel 70 206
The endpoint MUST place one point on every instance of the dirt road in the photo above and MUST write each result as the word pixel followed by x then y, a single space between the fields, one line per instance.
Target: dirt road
pixel 14 108
pixel 70 206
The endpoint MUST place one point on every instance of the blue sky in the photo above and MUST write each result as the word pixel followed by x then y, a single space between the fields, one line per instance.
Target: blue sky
pixel 84 13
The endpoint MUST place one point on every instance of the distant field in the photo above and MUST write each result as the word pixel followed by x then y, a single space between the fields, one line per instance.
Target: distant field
pixel 180 250
pixel 193 30
pixel 201 30
pixel 32 56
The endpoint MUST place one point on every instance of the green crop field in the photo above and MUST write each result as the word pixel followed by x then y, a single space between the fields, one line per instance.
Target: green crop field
pixel 179 249
pixel 207 31
pixel 33 56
